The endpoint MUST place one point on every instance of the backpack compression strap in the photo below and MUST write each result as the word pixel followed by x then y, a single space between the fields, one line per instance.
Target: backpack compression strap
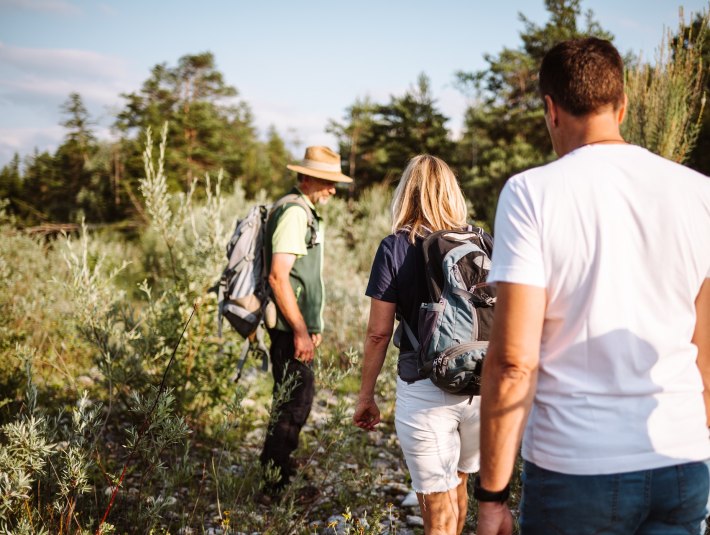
pixel 410 334
pixel 257 345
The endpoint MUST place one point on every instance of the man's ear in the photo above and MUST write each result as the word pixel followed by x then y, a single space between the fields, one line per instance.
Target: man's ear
pixel 305 182
pixel 551 110
pixel 621 112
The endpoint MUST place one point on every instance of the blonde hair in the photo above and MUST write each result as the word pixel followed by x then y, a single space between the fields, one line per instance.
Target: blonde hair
pixel 427 198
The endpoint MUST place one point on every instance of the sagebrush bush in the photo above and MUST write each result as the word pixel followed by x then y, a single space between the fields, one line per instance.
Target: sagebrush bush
pixel 34 308
pixel 667 98
pixel 113 315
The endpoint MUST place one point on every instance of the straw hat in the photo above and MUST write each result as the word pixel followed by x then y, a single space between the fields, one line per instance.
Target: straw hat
pixel 321 162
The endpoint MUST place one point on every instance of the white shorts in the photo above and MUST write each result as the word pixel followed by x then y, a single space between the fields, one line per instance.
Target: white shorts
pixel 439 434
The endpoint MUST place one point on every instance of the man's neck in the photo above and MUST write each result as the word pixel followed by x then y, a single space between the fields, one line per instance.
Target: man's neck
pixel 592 129
pixel 300 190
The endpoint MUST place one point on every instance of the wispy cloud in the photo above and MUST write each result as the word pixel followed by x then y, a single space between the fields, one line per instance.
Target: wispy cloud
pixel 31 88
pixel 43 78
pixel 60 7
pixel 107 9
pixel 64 61
pixel 34 82
pixel 299 127
pixel 25 140
pixel 628 23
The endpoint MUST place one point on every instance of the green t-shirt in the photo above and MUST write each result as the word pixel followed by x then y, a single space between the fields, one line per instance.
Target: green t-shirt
pixel 289 232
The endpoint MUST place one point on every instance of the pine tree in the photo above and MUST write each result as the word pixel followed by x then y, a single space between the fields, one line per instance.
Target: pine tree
pixel 11 184
pixel 72 199
pixel 208 128
pixel 504 130
pixel 697 36
pixel 379 139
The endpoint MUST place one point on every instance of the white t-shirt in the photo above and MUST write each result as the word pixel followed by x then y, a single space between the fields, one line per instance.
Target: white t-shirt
pixel 620 240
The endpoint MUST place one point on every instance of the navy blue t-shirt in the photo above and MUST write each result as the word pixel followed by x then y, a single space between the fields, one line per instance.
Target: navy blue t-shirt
pixel 397 276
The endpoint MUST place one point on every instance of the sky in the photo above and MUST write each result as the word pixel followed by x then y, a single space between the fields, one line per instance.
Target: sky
pixel 298 64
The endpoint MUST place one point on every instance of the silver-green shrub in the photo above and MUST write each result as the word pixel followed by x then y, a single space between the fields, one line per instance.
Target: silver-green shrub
pixel 667 98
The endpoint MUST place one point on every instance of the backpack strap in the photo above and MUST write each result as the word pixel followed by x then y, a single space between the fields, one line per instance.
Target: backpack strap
pixel 256 345
pixel 298 199
pixel 408 331
pixel 403 325
pixel 486 240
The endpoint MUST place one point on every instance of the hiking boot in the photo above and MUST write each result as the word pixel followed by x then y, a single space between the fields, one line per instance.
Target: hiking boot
pixel 307 494
pixel 269 495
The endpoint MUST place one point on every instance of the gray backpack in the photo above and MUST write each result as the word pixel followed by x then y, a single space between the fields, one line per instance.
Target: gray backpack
pixel 244 296
pixel 454 326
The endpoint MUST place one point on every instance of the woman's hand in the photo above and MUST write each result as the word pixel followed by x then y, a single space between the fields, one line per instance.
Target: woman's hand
pixel 367 414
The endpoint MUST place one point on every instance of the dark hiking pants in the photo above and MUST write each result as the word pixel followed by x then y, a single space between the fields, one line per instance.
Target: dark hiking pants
pixel 292 413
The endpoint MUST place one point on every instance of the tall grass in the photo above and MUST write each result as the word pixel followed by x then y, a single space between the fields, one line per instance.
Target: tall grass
pixel 666 98
pixel 89 325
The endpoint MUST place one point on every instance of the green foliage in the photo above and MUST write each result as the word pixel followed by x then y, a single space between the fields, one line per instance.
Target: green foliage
pixel 195 100
pixel 379 139
pixel 666 99
pixel 209 128
pixel 211 132
pixel 75 182
pixel 504 130
pixel 699 157
pixel 11 183
pixel 33 305
pixel 117 342
pixel 24 453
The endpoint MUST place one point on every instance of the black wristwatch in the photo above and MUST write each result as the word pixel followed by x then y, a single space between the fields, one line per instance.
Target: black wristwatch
pixel 483 495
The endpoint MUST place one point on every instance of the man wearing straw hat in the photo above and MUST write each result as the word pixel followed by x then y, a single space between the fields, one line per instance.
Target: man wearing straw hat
pixel 294 257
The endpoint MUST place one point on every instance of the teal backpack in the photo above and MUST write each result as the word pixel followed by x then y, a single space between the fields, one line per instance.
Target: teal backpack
pixel 454 325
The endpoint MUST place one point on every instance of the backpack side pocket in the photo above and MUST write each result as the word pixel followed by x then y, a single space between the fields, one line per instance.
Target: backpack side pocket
pixel 429 334
pixel 407 367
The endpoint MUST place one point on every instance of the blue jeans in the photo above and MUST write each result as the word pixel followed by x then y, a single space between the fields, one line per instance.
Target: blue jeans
pixel 663 501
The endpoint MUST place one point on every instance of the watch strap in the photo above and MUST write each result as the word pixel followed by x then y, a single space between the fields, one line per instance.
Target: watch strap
pixel 483 495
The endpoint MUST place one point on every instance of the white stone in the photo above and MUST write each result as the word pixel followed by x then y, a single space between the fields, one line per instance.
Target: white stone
pixel 410 500
pixel 413 520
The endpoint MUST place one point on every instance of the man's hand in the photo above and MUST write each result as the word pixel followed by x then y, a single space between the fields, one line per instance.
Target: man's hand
pixel 304 346
pixel 367 414
pixel 494 519
pixel 317 338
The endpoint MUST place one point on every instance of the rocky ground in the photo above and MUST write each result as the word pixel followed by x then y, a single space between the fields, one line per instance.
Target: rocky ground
pixel 361 479
pixel 363 491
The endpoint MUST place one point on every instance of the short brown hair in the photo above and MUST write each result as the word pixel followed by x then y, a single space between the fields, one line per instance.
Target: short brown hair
pixel 583 75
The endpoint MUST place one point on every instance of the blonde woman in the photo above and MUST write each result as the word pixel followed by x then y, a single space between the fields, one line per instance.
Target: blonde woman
pixel 438 432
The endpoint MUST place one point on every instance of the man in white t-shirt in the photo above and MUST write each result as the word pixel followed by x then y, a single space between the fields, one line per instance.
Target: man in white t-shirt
pixel 600 351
